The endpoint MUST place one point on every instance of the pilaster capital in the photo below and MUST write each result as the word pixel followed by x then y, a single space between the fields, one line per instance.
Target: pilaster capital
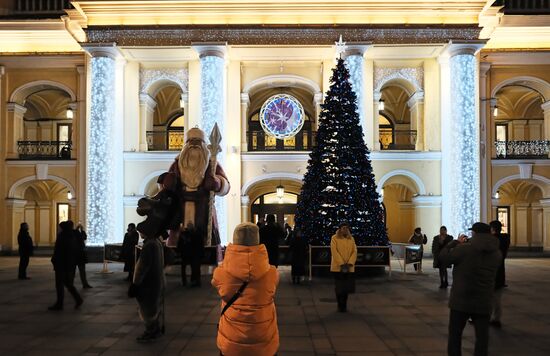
pixel 109 50
pixel 44 204
pixel 484 68
pixel 356 49
pixel 427 201
pixel 2 71
pixel 245 200
pixel 545 203
pixel 15 203
pixel 245 99
pixel 455 48
pixel 317 98
pixel 416 98
pixel 145 99
pixel 210 49
pixel 377 95
pixel 546 106
pixel 16 108
pixel 73 105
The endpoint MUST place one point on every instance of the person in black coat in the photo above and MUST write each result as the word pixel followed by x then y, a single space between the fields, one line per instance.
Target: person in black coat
pixel 298 250
pixel 128 255
pixel 270 235
pixel 26 248
pixel 82 257
pixel 500 279
pixel 64 261
pixel 191 248
pixel 438 243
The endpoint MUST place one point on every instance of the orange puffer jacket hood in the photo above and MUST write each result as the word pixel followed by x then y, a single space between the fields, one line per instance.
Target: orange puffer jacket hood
pixel 249 326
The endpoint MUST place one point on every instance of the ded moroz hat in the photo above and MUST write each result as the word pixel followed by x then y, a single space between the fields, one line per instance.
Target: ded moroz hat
pixel 195 133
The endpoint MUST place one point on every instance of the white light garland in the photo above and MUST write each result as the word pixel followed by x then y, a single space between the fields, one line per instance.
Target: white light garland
pixel 212 111
pixel 354 63
pixel 464 147
pixel 100 202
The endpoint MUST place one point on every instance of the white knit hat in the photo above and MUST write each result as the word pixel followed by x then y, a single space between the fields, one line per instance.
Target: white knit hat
pixel 246 234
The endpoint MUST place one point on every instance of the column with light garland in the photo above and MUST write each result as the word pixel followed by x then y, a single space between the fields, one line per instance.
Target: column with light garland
pixel 353 58
pixel 460 136
pixel 212 104
pixel 103 170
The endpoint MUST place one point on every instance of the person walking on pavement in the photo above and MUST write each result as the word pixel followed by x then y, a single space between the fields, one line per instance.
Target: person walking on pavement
pixel 418 238
pixel 270 235
pixel 64 263
pixel 246 284
pixel 343 257
pixel 476 262
pixel 500 279
pixel 26 249
pixel 438 243
pixel 128 255
pixel 82 257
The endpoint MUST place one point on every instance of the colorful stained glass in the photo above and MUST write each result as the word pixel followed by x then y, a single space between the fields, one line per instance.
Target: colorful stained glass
pixel 282 116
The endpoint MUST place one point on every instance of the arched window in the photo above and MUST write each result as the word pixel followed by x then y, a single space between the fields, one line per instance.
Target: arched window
pixel 386 132
pixel 175 133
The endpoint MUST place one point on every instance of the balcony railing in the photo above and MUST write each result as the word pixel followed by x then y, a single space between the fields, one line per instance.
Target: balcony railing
pixel 524 7
pixel 522 149
pixel 37 150
pixel 391 139
pixel 259 141
pixel 40 8
pixel 165 140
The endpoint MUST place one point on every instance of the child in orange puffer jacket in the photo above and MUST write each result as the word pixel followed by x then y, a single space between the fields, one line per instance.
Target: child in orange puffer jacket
pixel 249 325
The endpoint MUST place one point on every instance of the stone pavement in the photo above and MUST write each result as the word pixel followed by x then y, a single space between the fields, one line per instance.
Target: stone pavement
pixel 406 315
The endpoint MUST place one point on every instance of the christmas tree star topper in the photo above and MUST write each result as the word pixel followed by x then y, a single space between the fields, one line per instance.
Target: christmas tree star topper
pixel 340 47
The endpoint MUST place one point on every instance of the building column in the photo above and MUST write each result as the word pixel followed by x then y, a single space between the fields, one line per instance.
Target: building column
pixel 355 63
pixel 428 216
pixel 485 147
pixel 44 236
pixel 376 123
pixel 416 106
pixel 213 99
pixel 245 102
pixel 81 139
pixel 147 107
pixel 104 149
pixel 546 108
pixel 15 211
pixel 15 128
pixel 460 136
pixel 317 101
pixel 522 218
pixel 545 203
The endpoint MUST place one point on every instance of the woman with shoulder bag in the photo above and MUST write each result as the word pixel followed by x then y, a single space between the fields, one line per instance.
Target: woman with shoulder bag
pixel 344 254
pixel 246 284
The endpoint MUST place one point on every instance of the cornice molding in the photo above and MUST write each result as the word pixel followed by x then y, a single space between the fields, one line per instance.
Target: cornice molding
pixel 186 35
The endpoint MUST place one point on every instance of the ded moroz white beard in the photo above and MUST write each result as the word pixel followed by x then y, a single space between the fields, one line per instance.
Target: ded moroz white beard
pixel 192 163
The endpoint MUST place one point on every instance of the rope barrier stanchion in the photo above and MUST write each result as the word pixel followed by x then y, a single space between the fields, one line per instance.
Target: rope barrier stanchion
pixel 105 269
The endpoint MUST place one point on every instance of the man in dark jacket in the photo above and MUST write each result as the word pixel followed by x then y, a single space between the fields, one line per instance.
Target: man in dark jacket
pixel 270 235
pixel 420 239
pixel 82 257
pixel 500 281
pixel 475 266
pixel 191 249
pixel 64 263
pixel 26 248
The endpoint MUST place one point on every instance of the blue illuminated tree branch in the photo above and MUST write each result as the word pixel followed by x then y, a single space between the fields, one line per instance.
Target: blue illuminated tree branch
pixel 339 185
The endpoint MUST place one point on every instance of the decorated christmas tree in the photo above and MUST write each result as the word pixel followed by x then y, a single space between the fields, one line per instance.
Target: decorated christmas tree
pixel 339 184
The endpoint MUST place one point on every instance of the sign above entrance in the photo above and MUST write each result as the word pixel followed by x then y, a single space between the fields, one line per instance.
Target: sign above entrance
pixel 282 116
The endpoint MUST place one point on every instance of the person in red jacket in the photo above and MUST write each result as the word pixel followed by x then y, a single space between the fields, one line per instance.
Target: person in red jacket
pixel 248 326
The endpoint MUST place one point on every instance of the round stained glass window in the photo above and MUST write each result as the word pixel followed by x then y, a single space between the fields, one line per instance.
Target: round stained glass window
pixel 282 116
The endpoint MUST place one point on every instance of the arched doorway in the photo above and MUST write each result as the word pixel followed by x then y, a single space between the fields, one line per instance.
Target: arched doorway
pixel 168 120
pixel 519 210
pixel 282 206
pixel 42 204
pixel 400 212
